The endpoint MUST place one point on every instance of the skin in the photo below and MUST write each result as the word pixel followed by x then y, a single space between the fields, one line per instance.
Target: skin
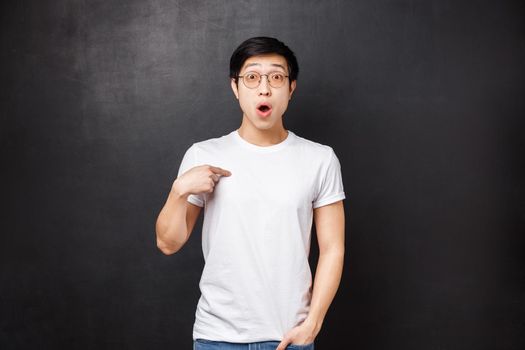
pixel 329 219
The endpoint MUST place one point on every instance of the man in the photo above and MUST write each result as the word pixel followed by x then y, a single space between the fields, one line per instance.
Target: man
pixel 261 187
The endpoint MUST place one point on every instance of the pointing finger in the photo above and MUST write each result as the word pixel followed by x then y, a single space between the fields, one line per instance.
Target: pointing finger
pixel 220 171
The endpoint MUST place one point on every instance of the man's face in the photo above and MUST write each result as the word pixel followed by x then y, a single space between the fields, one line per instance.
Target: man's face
pixel 251 98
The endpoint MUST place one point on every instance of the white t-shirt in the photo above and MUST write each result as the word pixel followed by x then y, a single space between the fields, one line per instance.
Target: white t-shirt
pixel 256 284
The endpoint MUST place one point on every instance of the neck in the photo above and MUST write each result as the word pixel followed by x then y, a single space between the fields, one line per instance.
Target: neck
pixel 262 137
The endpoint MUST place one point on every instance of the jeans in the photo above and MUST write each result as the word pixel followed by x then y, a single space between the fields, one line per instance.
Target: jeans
pixel 204 344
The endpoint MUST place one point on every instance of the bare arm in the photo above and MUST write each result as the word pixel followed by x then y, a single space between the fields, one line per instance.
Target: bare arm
pixel 178 216
pixel 330 228
pixel 175 222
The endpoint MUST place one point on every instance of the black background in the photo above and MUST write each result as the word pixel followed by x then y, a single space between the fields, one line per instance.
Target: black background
pixel 422 101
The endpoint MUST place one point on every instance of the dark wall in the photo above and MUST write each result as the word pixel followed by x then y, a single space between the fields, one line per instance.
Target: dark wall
pixel 421 100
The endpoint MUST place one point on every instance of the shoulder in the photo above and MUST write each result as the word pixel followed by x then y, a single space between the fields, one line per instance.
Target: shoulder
pixel 314 149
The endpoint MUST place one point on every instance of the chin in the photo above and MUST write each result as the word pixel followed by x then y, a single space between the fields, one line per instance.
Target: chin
pixel 257 121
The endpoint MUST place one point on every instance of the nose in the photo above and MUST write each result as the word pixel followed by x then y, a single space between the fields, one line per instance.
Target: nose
pixel 264 86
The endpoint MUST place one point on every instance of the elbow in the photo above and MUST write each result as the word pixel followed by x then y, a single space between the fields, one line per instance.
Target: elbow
pixel 164 248
pixel 161 244
pixel 333 251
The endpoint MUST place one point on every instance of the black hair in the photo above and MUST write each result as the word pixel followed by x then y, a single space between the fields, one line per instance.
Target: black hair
pixel 262 45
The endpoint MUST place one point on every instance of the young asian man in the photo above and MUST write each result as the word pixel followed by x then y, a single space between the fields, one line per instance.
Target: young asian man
pixel 261 186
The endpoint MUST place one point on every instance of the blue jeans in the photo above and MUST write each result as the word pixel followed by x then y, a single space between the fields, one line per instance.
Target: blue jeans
pixel 204 344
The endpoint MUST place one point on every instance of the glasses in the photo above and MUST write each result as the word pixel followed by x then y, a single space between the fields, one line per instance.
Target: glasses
pixel 252 79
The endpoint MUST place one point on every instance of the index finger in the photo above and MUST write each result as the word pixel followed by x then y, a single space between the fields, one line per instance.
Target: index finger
pixel 220 171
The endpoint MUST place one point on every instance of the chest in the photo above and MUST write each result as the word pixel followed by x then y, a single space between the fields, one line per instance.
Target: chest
pixel 263 185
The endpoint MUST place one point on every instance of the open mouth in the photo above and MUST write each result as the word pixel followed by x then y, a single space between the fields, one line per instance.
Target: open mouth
pixel 264 109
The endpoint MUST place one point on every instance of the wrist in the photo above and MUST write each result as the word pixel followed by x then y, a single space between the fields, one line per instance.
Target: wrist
pixel 314 324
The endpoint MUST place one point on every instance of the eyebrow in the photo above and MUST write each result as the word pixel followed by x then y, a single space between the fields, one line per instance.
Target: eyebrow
pixel 273 65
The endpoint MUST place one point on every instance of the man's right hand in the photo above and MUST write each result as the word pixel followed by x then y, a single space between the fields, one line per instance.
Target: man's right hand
pixel 199 179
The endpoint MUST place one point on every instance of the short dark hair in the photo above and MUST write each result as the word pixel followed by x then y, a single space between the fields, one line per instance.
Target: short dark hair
pixel 262 45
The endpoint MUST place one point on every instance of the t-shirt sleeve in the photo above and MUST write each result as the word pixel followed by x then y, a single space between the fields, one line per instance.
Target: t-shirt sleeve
pixel 189 161
pixel 329 183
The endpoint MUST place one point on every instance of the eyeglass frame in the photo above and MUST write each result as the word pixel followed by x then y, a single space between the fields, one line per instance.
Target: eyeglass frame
pixel 261 75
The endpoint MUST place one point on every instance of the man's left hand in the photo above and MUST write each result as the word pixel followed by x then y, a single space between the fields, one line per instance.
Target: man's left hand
pixel 300 335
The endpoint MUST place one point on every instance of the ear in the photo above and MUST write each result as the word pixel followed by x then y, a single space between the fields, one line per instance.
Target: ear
pixel 235 88
pixel 293 85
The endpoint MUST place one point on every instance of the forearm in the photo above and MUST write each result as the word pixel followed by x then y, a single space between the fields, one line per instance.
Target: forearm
pixel 171 226
pixel 327 279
